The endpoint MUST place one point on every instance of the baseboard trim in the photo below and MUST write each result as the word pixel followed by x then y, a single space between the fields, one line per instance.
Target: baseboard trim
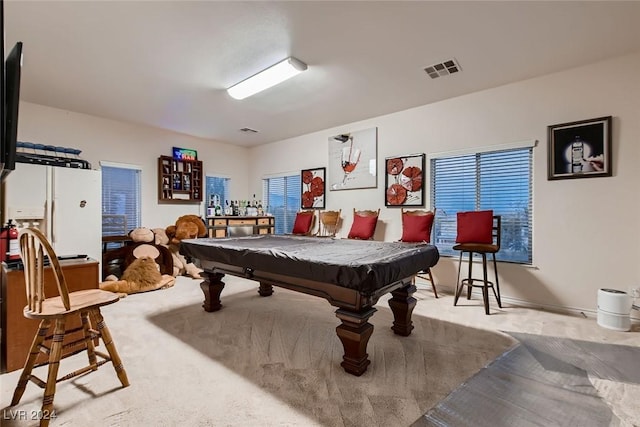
pixel 561 309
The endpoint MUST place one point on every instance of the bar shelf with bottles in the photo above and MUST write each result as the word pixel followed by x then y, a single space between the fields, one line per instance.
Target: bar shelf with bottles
pixel 238 218
pixel 179 181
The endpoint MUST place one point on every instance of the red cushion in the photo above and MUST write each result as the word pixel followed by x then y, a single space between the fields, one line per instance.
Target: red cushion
pixel 416 228
pixel 363 227
pixel 475 227
pixel 303 223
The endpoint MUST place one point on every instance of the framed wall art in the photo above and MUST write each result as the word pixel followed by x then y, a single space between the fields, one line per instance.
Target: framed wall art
pixel 580 149
pixel 353 160
pixel 313 188
pixel 404 180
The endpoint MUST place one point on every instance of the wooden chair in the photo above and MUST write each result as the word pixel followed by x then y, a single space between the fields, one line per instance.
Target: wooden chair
pixel 114 231
pixel 36 252
pixel 304 223
pixel 364 224
pixel 478 233
pixel 416 227
pixel 328 223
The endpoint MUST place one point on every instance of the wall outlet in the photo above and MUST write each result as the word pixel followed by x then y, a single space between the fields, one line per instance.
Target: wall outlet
pixel 634 292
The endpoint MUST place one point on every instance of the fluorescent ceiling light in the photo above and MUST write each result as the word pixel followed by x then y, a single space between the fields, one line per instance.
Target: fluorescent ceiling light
pixel 273 75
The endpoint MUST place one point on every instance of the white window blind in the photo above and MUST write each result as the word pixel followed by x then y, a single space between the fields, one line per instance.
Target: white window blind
pixel 120 199
pixel 281 195
pixel 499 180
pixel 217 186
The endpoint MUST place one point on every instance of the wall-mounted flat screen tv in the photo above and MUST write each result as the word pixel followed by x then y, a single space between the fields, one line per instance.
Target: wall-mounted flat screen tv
pixel 11 95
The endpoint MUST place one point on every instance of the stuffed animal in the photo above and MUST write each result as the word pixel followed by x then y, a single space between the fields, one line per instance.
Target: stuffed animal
pixel 115 261
pixel 141 275
pixel 142 234
pixel 186 227
pixel 180 264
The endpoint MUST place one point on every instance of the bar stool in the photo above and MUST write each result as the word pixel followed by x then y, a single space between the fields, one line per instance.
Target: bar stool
pixel 416 227
pixel 364 224
pixel 478 233
pixel 304 223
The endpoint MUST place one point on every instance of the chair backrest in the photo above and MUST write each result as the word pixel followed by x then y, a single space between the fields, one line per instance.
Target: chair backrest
pixel 479 227
pixel 114 225
pixel 364 224
pixel 496 231
pixel 304 223
pixel 417 225
pixel 328 223
pixel 36 251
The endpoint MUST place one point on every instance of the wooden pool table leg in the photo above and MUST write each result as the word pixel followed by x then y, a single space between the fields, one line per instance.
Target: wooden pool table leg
pixel 265 289
pixel 212 288
pixel 402 304
pixel 354 332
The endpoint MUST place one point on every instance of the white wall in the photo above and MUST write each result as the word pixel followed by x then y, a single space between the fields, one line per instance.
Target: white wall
pixel 102 139
pixel 586 231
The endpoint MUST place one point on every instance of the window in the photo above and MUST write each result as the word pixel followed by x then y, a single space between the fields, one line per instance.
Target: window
pixel 217 186
pixel 120 198
pixel 498 179
pixel 281 197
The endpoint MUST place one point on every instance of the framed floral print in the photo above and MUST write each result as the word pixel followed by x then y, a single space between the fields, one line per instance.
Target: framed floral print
pixel 313 188
pixel 404 180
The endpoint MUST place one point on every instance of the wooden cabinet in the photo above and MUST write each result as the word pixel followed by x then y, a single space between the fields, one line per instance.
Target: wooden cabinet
pixel 179 181
pixel 224 226
pixel 17 330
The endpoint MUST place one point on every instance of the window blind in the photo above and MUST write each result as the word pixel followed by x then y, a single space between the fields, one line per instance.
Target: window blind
pixel 281 195
pixel 120 199
pixel 498 180
pixel 217 186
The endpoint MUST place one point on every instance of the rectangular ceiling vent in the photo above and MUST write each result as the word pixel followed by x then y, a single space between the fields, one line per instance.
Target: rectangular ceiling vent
pixel 249 130
pixel 442 69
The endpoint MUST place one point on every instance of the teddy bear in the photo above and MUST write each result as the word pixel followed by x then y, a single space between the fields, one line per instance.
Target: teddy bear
pixel 185 227
pixel 141 275
pixel 115 261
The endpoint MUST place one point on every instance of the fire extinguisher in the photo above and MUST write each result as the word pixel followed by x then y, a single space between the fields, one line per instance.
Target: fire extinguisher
pixel 4 243
pixel 14 247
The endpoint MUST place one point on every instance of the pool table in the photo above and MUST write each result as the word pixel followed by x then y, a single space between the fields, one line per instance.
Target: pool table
pixel 351 274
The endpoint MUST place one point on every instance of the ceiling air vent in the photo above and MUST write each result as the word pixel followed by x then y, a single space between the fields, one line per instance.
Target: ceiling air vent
pixel 442 69
pixel 248 130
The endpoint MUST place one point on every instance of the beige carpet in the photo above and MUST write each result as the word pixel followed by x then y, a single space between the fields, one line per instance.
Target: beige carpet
pixel 276 362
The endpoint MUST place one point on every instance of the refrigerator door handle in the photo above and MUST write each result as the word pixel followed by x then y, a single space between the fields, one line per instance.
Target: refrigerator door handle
pixel 53 223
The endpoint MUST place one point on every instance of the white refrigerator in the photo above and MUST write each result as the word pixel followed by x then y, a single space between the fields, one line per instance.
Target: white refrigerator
pixel 65 203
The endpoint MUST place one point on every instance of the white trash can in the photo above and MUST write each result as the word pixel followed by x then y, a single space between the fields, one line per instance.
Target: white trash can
pixel 614 309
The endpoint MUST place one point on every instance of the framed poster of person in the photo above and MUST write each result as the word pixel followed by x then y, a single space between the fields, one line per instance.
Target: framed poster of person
pixel 580 149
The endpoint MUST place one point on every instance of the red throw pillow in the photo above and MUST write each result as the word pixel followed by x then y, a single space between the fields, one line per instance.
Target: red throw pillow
pixel 417 228
pixel 302 223
pixel 363 227
pixel 475 227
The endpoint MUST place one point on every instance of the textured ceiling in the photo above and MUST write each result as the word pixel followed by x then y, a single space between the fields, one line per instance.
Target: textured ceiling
pixel 167 63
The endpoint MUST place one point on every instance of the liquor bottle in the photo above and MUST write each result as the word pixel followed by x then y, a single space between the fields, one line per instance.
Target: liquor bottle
pixel 260 210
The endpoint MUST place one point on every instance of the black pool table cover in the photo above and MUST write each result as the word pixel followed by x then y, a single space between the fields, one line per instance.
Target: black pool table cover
pixel 355 264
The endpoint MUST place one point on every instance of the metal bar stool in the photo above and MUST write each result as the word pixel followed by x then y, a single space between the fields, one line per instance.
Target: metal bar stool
pixel 478 233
